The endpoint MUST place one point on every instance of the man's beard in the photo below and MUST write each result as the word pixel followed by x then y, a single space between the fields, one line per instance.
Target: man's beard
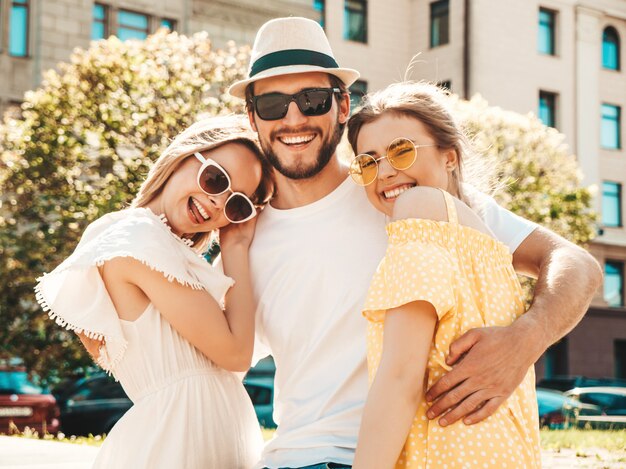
pixel 326 152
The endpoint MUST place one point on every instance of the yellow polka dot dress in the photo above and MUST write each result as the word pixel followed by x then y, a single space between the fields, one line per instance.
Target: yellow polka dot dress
pixel 469 279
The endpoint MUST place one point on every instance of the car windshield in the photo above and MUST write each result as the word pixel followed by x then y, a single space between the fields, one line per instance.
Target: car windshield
pixel 605 400
pixel 17 382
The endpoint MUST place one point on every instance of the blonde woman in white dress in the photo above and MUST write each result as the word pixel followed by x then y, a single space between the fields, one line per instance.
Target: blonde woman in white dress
pixel 150 309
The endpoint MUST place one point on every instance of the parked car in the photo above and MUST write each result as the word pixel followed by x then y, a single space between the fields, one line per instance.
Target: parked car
pixel 555 407
pixel 609 404
pixel 24 404
pixel 92 405
pixel 261 391
pixel 565 383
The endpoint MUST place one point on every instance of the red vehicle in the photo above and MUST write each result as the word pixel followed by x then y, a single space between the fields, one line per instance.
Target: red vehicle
pixel 23 404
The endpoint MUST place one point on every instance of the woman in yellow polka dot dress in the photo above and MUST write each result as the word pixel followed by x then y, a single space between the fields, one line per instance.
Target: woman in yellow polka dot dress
pixel 443 274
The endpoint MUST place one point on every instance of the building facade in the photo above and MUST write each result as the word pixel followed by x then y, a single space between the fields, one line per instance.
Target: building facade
pixel 560 59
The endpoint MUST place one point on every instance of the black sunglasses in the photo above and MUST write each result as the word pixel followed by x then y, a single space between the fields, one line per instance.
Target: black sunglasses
pixel 311 102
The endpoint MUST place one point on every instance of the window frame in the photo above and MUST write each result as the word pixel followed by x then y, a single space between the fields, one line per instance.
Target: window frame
pixel 433 6
pixel 104 21
pixel 347 12
pixel 617 145
pixel 552 31
pixel 618 197
pixel 619 267
pixel 552 100
pixel 605 31
pixel 25 4
pixel 120 27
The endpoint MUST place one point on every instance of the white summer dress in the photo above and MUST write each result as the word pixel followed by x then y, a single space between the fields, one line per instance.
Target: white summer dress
pixel 187 413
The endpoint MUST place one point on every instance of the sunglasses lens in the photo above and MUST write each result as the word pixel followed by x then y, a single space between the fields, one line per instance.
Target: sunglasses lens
pixel 363 169
pixel 272 106
pixel 238 208
pixel 212 180
pixel 315 102
pixel 401 153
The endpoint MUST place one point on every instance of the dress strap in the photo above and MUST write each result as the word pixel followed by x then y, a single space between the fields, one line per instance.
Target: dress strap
pixel 451 208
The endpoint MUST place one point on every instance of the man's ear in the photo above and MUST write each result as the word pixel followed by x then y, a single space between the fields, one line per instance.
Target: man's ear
pixel 252 121
pixel 344 108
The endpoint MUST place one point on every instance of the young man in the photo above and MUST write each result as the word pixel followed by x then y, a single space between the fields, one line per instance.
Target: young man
pixel 318 243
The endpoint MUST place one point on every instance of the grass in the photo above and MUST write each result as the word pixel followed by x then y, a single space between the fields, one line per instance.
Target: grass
pixel 578 439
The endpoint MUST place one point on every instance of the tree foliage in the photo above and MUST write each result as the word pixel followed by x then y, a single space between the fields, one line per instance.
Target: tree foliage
pixel 540 178
pixel 81 149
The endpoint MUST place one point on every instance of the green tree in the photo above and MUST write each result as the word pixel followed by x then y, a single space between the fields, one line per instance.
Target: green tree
pixel 541 179
pixel 81 149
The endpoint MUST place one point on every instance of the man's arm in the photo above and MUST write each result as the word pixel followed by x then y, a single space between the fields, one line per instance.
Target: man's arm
pixel 496 359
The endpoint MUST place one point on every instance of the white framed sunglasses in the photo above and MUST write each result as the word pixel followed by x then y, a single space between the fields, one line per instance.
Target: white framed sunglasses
pixel 214 180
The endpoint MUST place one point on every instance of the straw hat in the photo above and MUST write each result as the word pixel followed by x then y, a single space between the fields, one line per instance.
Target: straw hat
pixel 291 45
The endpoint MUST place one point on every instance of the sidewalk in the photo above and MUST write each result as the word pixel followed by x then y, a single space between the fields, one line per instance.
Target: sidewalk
pixel 26 453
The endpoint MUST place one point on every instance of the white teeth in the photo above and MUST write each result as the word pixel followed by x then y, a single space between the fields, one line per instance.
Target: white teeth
pixel 297 140
pixel 393 193
pixel 200 209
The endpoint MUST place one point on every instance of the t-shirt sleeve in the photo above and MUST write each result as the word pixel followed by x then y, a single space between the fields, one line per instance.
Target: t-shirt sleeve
pixel 412 271
pixel 509 228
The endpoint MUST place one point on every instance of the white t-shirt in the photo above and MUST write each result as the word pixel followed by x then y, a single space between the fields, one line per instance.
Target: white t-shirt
pixel 311 267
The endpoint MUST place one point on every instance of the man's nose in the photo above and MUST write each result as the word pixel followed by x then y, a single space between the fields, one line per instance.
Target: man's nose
pixel 294 117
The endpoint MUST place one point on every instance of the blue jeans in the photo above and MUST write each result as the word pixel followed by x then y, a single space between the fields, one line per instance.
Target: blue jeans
pixel 323 465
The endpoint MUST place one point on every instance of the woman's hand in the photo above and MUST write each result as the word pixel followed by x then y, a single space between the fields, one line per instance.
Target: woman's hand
pixel 237 235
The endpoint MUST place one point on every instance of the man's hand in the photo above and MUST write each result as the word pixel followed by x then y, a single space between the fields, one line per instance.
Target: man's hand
pixel 489 363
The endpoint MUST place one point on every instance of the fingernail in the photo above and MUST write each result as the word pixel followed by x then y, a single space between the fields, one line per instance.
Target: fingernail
pixel 443 422
pixel 430 414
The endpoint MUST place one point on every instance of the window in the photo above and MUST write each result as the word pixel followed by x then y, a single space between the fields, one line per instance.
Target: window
pixel 547 108
pixel 610 127
pixel 619 348
pixel 355 20
pixel 547 21
pixel 611 204
pixel 99 28
pixel 446 85
pixel 168 24
pixel 131 25
pixel 614 283
pixel 18 28
pixel 357 91
pixel 439 23
pixel 556 359
pixel 320 7
pixel 610 48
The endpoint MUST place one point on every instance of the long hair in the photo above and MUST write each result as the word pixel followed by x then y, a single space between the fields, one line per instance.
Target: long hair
pixel 204 135
pixel 428 104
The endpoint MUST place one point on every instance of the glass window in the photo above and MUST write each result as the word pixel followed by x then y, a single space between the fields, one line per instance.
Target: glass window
pixel 610 127
pixel 18 28
pixel 614 283
pixel 131 25
pixel 439 23
pixel 611 204
pixel 446 85
pixel 167 23
pixel 320 7
pixel 610 48
pixel 355 20
pixel 547 108
pixel 547 20
pixel 357 91
pixel 99 26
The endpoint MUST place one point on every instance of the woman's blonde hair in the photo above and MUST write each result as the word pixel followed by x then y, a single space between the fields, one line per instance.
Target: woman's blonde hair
pixel 204 135
pixel 429 104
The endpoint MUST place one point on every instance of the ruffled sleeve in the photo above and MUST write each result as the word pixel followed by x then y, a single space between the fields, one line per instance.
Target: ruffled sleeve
pixel 75 296
pixel 412 270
